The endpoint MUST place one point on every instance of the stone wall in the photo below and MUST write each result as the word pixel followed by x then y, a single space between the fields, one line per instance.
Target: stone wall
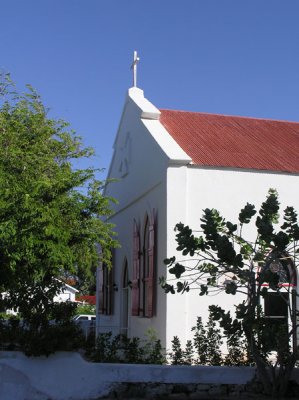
pixel 160 391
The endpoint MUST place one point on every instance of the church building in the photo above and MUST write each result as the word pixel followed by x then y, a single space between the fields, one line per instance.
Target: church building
pixel 170 165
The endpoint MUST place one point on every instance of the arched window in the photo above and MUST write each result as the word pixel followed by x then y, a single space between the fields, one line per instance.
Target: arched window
pixel 280 305
pixel 136 270
pixel 281 266
pixel 106 295
pixel 143 269
pixel 125 300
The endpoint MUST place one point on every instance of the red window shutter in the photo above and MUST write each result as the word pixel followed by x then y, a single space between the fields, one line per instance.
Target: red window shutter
pixel 101 289
pixel 136 270
pixel 110 285
pixel 151 261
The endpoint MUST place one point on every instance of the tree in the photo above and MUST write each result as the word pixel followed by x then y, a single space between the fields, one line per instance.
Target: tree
pixel 51 214
pixel 263 270
pixel 207 342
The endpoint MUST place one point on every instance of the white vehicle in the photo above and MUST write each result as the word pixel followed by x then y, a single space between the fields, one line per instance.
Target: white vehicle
pixel 87 323
pixel 84 317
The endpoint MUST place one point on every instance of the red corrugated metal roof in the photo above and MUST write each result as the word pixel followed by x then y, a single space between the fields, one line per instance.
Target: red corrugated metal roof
pixel 237 142
pixel 87 299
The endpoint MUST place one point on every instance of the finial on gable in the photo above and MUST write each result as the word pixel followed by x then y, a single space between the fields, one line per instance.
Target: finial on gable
pixel 134 68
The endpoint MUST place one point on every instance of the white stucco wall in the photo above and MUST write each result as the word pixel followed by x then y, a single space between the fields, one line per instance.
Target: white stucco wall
pixel 139 166
pixel 67 376
pixel 138 161
pixel 124 226
pixel 192 189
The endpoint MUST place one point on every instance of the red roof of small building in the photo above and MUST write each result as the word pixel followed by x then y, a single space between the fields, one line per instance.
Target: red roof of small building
pixel 236 142
pixel 87 299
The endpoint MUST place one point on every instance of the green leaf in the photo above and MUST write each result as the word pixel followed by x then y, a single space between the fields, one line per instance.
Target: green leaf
pixel 230 287
pixel 169 261
pixel 281 240
pixel 177 270
pixel 247 213
pixel 203 290
pixel 187 242
pixel 168 288
pixel 231 227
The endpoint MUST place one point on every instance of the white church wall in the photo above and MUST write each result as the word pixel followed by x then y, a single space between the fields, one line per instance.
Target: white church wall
pixel 177 305
pixel 137 326
pixel 138 161
pixel 229 190
pixel 153 172
pixel 139 166
pixel 190 190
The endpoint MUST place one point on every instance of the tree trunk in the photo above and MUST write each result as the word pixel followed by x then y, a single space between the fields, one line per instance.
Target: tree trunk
pixel 275 379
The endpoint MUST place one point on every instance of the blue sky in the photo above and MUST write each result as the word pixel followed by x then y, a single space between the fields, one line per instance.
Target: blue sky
pixel 221 56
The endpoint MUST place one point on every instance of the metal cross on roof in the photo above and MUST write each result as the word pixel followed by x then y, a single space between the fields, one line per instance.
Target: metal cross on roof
pixel 134 68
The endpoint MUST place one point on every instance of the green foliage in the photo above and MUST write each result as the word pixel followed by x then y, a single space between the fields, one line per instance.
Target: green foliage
pixel 290 225
pixel 106 348
pixel 268 216
pixel 121 349
pixel 87 309
pixel 41 336
pixel 212 224
pixel 247 213
pixel 152 348
pixel 10 333
pixel 188 353
pixel 207 342
pixel 52 216
pixel 177 270
pixel 225 261
pixel 204 348
pixel 238 353
pixel 187 243
pixel 61 337
pixel 177 354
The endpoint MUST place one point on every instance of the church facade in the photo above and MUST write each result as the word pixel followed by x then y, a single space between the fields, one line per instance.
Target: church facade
pixel 169 166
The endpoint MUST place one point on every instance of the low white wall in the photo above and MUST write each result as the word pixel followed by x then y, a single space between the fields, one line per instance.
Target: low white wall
pixel 67 376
